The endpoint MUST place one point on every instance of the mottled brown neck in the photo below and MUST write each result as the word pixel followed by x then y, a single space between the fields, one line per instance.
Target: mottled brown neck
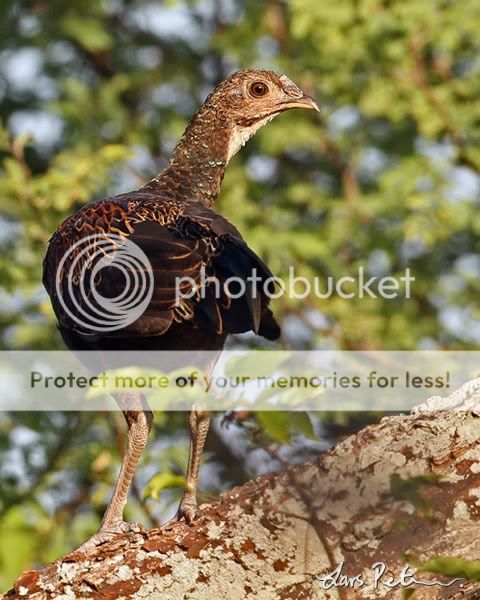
pixel 200 158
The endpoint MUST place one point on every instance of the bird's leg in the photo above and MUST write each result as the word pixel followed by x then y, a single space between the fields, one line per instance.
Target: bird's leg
pixel 139 420
pixel 138 429
pixel 198 423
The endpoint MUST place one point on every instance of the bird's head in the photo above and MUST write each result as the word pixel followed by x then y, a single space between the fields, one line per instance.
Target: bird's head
pixel 249 99
pixel 228 118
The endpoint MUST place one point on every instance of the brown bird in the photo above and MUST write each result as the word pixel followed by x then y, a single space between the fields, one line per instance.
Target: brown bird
pixel 172 221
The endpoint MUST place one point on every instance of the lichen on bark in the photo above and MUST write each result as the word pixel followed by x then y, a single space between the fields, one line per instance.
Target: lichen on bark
pixel 273 537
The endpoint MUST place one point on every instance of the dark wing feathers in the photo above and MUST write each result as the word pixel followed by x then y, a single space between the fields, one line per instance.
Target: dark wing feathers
pixel 221 257
pixel 180 242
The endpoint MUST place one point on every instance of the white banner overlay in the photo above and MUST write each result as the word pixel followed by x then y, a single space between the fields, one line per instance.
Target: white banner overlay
pixel 241 379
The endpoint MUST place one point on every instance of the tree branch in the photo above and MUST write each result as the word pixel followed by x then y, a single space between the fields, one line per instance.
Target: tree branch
pixel 408 485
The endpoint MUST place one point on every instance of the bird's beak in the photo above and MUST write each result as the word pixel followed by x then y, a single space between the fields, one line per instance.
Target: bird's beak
pixel 309 102
pixel 304 101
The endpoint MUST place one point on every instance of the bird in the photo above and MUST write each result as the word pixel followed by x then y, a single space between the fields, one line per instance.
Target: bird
pixel 173 222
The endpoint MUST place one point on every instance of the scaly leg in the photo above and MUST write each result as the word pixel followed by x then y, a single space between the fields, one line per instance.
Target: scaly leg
pixel 198 423
pixel 139 420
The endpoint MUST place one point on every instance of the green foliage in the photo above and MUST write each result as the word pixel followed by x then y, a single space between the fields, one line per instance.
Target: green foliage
pixel 16 533
pixel 88 32
pixel 275 425
pixel 280 425
pixel 163 481
pixel 452 566
pixel 411 490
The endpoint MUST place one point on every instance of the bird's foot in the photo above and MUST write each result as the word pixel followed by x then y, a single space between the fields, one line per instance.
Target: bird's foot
pixel 188 507
pixel 187 510
pixel 107 533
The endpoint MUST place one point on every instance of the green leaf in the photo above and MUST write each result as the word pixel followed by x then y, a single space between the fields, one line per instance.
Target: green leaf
pixel 163 481
pixel 300 422
pixel 276 425
pixel 411 490
pixel 19 534
pixel 281 425
pixel 452 566
pixel 88 32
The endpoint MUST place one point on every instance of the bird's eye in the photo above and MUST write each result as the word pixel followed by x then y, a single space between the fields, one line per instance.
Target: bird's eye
pixel 258 89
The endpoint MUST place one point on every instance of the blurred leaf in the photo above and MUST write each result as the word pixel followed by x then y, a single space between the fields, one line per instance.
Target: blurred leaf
pixel 410 489
pixel 275 424
pixel 300 423
pixel 88 32
pixel 163 481
pixel 17 534
pixel 452 566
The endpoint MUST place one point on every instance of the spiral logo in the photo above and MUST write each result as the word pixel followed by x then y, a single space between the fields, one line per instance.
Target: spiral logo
pixel 104 282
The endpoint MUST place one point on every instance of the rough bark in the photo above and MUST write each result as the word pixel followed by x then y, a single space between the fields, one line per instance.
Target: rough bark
pixel 270 538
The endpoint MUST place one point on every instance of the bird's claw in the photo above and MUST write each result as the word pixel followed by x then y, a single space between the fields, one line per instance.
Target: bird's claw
pixel 187 510
pixel 107 533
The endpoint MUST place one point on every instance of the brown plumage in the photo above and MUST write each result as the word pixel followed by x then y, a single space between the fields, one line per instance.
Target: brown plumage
pixel 180 238
pixel 171 219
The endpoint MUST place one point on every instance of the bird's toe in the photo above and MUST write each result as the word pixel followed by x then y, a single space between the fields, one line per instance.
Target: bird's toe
pixel 187 510
pixel 107 533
